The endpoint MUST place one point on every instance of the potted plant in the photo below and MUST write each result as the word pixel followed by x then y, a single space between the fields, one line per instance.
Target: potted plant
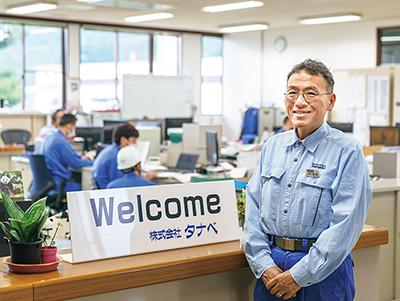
pixel 49 250
pixel 23 230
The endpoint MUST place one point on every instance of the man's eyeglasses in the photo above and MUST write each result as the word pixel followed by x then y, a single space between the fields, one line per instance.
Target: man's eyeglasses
pixel 309 96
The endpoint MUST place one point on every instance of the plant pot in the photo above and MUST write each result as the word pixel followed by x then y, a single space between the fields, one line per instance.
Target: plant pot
pixel 25 253
pixel 49 254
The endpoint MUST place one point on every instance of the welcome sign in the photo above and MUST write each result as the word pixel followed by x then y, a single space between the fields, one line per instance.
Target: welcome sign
pixel 119 222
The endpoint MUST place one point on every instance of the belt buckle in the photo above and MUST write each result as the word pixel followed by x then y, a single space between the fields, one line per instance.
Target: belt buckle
pixel 288 244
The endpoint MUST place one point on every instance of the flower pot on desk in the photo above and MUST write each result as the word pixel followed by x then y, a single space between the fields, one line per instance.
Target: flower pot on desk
pixel 49 254
pixel 25 253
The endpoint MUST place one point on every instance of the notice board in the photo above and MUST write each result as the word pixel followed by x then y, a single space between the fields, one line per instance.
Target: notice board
pixel 156 96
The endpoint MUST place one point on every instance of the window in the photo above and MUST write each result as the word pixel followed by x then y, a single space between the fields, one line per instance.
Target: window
pixel 107 55
pixel 211 76
pixel 389 46
pixel 31 67
pixel 98 70
pixel 43 68
pixel 165 55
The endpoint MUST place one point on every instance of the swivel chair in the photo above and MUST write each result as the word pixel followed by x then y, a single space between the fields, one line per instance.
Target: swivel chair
pixel 43 184
pixel 17 136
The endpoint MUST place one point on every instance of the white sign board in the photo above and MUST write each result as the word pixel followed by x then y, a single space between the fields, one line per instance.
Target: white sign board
pixel 119 222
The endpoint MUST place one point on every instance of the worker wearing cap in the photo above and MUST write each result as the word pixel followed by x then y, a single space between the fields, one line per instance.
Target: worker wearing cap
pixel 128 159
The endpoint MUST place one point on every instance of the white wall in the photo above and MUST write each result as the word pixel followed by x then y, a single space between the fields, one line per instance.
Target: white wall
pixel 340 46
pixel 242 78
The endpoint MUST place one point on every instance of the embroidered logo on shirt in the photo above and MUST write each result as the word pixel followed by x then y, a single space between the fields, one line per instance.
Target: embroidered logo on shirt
pixel 318 165
pixel 312 173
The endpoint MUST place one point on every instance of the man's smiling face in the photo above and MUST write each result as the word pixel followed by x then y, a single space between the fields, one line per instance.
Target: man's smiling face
pixel 308 116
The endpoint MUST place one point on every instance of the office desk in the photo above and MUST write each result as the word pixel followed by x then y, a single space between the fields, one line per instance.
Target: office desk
pixel 220 272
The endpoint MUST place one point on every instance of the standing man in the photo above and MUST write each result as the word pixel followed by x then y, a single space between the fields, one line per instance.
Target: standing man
pixel 60 156
pixel 307 200
pixel 128 159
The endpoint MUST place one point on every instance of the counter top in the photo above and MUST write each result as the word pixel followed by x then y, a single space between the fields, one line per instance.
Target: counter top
pixel 88 278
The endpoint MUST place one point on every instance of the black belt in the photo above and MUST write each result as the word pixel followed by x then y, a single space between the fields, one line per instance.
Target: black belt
pixel 292 244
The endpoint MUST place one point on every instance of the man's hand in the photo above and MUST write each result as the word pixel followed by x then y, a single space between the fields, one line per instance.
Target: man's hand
pixel 283 285
pixel 270 273
pixel 150 175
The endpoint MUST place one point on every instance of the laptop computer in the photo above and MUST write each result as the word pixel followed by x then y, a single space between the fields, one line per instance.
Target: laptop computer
pixel 186 162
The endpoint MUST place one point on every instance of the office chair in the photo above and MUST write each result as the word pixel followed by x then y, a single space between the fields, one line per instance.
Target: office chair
pixel 43 184
pixel 17 136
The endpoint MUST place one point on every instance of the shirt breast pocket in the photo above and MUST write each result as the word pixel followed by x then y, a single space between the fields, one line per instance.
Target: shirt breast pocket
pixel 313 201
pixel 270 191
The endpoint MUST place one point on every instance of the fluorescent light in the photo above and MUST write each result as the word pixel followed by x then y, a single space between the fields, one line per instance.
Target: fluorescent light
pixel 242 28
pixel 390 39
pixel 151 17
pixel 30 7
pixel 232 6
pixel 330 19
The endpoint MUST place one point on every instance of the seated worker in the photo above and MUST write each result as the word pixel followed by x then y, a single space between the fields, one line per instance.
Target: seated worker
pixel 51 128
pixel 60 156
pixel 128 159
pixel 287 125
pixel 105 165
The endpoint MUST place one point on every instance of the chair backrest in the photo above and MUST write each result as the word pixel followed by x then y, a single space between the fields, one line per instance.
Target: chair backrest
pixel 42 179
pixel 18 136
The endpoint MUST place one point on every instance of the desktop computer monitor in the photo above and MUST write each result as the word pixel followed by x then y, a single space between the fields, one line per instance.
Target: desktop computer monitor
pixel 109 125
pixel 212 147
pixel 151 123
pixel 151 134
pixel 91 134
pixel 175 123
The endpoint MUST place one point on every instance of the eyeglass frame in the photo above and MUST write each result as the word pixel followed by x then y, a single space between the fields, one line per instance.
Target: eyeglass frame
pixel 304 96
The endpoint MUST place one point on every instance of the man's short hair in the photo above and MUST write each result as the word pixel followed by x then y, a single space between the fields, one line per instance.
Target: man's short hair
pixel 126 130
pixel 315 67
pixel 54 115
pixel 67 119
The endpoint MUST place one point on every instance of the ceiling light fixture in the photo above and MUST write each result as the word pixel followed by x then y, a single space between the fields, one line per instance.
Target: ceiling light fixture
pixel 30 7
pixel 390 39
pixel 243 28
pixel 347 17
pixel 232 6
pixel 151 17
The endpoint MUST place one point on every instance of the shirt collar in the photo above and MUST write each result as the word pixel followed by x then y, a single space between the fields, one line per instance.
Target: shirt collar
pixel 312 141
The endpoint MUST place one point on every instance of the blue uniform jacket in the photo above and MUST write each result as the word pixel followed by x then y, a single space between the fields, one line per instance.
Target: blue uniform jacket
pixel 105 166
pixel 313 188
pixel 60 156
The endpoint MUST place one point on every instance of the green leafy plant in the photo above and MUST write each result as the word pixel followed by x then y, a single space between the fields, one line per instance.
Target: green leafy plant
pixel 48 240
pixel 241 204
pixel 23 227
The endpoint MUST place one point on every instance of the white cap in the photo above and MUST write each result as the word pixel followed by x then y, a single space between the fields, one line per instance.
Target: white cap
pixel 128 157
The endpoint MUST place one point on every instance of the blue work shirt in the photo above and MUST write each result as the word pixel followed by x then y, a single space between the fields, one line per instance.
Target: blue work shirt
pixel 318 187
pixel 129 180
pixel 105 166
pixel 60 156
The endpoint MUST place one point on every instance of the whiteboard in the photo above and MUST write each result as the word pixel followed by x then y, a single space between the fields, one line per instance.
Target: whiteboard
pixel 156 96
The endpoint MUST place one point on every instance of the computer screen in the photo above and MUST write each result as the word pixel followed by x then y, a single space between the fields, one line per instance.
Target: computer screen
pixel 385 135
pixel 91 134
pixel 343 126
pixel 175 123
pixel 109 125
pixel 212 147
pixel 151 123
